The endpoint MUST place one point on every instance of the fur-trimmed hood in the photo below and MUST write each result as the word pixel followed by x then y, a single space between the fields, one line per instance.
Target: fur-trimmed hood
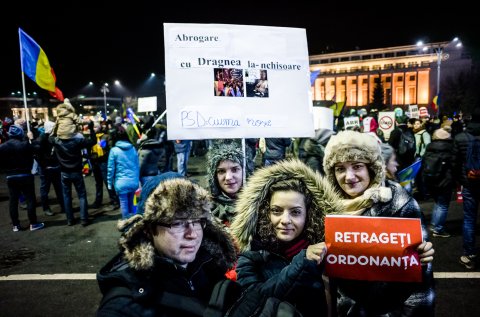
pixel 352 146
pixel 218 153
pixel 172 196
pixel 252 203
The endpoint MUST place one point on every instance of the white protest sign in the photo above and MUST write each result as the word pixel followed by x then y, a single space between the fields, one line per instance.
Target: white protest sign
pixel 237 81
pixel 350 122
pixel 322 118
pixel 386 122
pixel 413 109
pixel 147 104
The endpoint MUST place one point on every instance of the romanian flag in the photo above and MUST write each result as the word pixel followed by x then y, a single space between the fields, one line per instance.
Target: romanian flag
pixel 36 66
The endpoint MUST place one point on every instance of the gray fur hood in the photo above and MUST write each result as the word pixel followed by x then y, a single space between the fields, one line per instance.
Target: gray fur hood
pixel 252 204
pixel 218 153
pixel 170 197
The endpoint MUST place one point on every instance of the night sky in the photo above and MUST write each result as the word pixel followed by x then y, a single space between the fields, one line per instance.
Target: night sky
pixel 103 42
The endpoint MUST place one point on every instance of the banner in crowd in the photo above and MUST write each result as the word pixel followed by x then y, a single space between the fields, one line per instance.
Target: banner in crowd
pixel 373 248
pixel 408 174
pixel 386 123
pixel 237 81
pixel 147 104
pixel 323 118
pixel 413 110
pixel 351 122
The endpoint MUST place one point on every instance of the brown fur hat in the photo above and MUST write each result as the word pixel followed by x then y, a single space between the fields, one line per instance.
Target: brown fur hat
pixel 352 146
pixel 169 198
pixel 252 207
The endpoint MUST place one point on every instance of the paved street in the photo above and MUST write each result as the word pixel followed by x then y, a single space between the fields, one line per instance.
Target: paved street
pixel 51 272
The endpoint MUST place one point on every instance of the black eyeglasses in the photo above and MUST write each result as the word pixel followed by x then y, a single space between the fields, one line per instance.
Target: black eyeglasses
pixel 179 226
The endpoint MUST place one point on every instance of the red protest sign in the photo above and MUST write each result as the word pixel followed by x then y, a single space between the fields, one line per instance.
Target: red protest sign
pixel 373 248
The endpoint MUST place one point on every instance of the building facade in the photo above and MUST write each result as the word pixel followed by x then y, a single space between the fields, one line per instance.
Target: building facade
pixel 409 74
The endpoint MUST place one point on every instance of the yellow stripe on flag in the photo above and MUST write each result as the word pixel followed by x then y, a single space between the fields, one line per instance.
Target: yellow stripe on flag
pixel 44 76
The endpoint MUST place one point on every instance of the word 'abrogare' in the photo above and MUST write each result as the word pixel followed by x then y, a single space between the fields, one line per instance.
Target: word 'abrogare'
pixel 373 260
pixel 196 38
pixel 368 238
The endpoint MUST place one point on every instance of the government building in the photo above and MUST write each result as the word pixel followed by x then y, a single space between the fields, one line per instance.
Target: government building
pixel 410 75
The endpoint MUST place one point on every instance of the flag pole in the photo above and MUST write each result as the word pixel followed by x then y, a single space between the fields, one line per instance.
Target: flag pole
pixel 244 167
pixel 27 117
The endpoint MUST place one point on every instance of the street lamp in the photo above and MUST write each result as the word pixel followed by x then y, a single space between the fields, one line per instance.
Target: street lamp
pixel 105 89
pixel 439 49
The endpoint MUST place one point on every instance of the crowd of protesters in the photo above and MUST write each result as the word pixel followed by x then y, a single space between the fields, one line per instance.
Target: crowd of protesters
pixel 263 227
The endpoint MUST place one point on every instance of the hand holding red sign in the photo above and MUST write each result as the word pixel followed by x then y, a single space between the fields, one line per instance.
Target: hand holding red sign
pixel 374 248
pixel 316 252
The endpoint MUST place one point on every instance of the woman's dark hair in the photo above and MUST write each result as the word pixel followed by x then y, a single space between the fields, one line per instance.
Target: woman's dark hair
pixel 120 134
pixel 266 231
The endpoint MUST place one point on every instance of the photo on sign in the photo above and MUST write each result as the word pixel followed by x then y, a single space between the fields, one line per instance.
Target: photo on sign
pixel 257 83
pixel 228 82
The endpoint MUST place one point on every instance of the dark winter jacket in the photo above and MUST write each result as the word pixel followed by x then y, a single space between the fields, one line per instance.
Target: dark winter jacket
pixel 142 289
pixel 443 149
pixel 460 147
pixel 298 281
pixel 16 157
pixel 406 159
pixel 149 154
pixel 45 152
pixel 276 148
pixel 133 282
pixel 69 151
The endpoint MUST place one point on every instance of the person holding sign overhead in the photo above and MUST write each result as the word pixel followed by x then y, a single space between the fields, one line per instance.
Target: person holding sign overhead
pixel 279 229
pixel 353 164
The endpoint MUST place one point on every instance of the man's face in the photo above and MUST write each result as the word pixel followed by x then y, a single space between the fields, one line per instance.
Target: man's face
pixel 180 242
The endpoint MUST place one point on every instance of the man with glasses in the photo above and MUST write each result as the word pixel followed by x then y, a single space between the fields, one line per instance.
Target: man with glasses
pixel 172 248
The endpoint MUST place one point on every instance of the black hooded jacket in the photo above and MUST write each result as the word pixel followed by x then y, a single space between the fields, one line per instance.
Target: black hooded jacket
pixel 134 282
pixel 460 148
pixel 138 292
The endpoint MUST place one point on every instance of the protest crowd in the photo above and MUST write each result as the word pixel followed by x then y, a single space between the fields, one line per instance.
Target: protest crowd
pixel 253 242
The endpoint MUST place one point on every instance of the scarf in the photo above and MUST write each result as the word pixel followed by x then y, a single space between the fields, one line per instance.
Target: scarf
pixel 292 248
pixel 224 208
pixel 356 206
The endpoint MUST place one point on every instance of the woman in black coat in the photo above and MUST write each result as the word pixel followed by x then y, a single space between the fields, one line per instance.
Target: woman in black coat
pixel 279 227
